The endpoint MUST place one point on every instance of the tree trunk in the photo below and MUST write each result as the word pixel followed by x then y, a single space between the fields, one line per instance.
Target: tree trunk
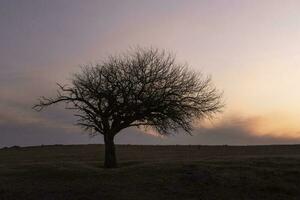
pixel 110 153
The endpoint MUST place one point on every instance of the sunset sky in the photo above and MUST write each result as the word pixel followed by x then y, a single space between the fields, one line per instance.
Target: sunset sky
pixel 250 47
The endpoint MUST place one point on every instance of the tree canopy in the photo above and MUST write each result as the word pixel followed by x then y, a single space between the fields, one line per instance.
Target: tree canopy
pixel 143 87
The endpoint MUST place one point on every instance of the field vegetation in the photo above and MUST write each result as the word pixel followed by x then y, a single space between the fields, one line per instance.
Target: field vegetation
pixel 151 172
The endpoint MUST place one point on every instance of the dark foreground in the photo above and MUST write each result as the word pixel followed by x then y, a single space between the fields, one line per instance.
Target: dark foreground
pixel 151 172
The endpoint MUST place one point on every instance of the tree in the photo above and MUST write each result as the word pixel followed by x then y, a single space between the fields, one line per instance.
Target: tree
pixel 141 88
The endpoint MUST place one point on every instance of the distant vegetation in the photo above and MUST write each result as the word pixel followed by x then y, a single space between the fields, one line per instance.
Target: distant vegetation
pixel 151 172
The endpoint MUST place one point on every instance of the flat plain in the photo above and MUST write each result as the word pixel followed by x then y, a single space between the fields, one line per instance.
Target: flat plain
pixel 151 172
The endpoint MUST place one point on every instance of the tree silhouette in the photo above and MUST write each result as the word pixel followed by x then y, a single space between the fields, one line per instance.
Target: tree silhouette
pixel 143 87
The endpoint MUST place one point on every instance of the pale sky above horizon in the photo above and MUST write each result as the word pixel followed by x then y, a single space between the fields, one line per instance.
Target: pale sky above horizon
pixel 251 48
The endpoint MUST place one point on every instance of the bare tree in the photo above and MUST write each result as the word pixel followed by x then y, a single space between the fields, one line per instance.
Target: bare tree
pixel 143 87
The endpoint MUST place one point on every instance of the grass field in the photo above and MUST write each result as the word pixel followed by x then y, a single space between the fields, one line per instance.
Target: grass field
pixel 151 172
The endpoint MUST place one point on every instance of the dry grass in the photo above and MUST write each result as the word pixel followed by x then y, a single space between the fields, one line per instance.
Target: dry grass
pixel 151 172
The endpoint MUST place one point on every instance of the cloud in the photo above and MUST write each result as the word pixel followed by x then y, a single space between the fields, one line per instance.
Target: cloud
pixel 232 131
pixel 20 125
pixel 240 131
pixel 38 134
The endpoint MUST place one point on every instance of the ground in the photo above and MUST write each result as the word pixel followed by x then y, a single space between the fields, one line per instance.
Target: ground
pixel 151 172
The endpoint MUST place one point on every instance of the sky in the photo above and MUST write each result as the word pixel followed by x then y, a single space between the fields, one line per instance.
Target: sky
pixel 251 48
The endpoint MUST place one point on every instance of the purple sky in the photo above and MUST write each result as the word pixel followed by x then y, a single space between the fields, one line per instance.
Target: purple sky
pixel 251 48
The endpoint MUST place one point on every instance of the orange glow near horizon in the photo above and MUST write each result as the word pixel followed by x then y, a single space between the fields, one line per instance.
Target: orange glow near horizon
pixel 276 124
